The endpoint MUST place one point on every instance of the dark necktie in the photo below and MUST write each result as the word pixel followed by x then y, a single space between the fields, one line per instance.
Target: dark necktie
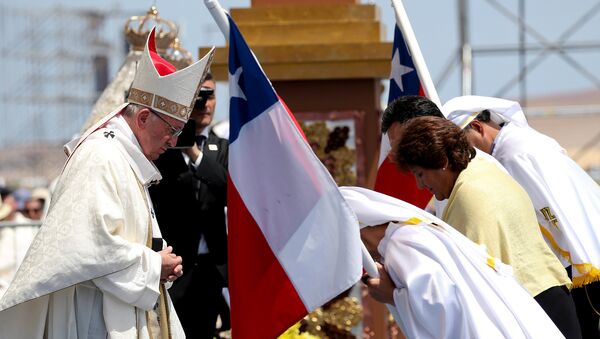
pixel 200 139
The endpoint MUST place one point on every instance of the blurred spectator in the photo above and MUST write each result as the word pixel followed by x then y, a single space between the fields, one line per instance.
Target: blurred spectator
pixel 5 210
pixel 14 240
pixel 9 199
pixel 34 208
pixel 40 197
pixel 21 195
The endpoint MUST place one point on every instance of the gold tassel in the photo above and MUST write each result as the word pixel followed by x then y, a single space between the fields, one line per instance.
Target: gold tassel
pixel 592 275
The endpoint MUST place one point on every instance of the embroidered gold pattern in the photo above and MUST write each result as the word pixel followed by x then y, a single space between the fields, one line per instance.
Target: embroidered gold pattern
pixel 158 102
pixel 554 244
pixel 171 106
pixel 141 97
pixel 550 218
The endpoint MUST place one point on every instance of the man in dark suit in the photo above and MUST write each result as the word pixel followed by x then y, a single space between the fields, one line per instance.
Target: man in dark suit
pixel 194 223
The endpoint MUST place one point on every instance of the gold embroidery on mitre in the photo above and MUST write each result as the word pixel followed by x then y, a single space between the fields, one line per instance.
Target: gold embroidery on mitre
pixel 141 97
pixel 156 101
pixel 171 107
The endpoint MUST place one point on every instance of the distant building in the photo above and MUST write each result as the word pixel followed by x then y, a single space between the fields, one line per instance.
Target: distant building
pixel 573 119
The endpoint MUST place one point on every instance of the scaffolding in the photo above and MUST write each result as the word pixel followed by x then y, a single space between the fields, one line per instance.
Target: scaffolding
pixel 54 63
pixel 532 48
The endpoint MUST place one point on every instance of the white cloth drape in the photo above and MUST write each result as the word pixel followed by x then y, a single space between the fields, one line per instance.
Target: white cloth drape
pixel 447 286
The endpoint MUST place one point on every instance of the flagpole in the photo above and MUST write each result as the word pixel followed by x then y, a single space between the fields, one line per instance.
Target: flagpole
pixel 415 51
pixel 368 262
pixel 371 269
pixel 219 15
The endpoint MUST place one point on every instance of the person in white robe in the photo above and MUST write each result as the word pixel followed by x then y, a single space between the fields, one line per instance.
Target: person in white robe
pixel 441 284
pixel 97 267
pixel 565 197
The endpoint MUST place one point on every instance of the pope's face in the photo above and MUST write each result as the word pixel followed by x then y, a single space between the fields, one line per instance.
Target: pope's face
pixel 159 135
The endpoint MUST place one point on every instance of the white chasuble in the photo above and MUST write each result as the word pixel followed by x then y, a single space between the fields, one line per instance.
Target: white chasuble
pixel 88 272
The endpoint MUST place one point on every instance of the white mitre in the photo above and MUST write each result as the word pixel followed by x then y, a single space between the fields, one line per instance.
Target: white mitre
pixel 159 86
pixel 462 110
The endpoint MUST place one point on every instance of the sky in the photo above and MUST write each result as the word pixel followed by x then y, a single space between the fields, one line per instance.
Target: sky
pixel 435 23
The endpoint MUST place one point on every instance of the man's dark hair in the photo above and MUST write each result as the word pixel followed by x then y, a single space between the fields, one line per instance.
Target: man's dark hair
pixel 485 116
pixel 406 108
pixel 208 76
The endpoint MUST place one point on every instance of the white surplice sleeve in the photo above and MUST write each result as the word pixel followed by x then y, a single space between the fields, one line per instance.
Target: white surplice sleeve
pixel 120 218
pixel 138 284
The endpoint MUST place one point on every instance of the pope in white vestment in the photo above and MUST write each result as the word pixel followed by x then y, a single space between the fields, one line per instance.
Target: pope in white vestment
pixel 91 272
pixel 446 285
pixel 88 273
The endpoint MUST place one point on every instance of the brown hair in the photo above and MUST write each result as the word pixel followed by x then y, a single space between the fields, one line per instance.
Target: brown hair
pixel 428 141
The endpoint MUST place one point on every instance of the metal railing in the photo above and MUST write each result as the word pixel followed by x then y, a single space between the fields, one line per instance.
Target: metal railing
pixel 15 239
pixel 3 224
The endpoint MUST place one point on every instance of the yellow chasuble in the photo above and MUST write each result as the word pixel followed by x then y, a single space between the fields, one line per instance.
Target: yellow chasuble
pixel 492 209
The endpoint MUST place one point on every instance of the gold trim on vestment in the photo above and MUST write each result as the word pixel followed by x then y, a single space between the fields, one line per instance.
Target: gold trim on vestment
pixel 554 244
pixel 589 274
pixel 163 313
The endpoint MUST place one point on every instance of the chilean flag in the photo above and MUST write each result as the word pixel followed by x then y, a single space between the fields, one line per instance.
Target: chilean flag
pixel 404 80
pixel 294 243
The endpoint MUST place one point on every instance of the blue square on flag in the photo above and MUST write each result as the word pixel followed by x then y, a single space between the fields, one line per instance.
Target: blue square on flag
pixel 404 79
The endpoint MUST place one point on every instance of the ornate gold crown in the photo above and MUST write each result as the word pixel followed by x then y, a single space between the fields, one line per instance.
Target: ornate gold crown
pixel 137 29
pixel 178 55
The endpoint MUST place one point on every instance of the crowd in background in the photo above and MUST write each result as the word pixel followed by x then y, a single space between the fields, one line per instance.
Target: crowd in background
pixel 21 213
pixel 23 204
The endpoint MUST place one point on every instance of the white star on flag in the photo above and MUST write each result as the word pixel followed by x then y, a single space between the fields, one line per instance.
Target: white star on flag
pixel 398 70
pixel 234 85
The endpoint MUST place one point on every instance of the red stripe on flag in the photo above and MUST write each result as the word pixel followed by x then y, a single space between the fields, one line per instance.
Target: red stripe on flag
pixel 392 182
pixel 296 123
pixel 255 277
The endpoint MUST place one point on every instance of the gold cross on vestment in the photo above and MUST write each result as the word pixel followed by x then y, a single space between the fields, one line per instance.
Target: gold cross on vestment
pixel 550 218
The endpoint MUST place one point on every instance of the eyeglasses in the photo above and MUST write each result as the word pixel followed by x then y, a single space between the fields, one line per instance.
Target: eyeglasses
pixel 175 132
